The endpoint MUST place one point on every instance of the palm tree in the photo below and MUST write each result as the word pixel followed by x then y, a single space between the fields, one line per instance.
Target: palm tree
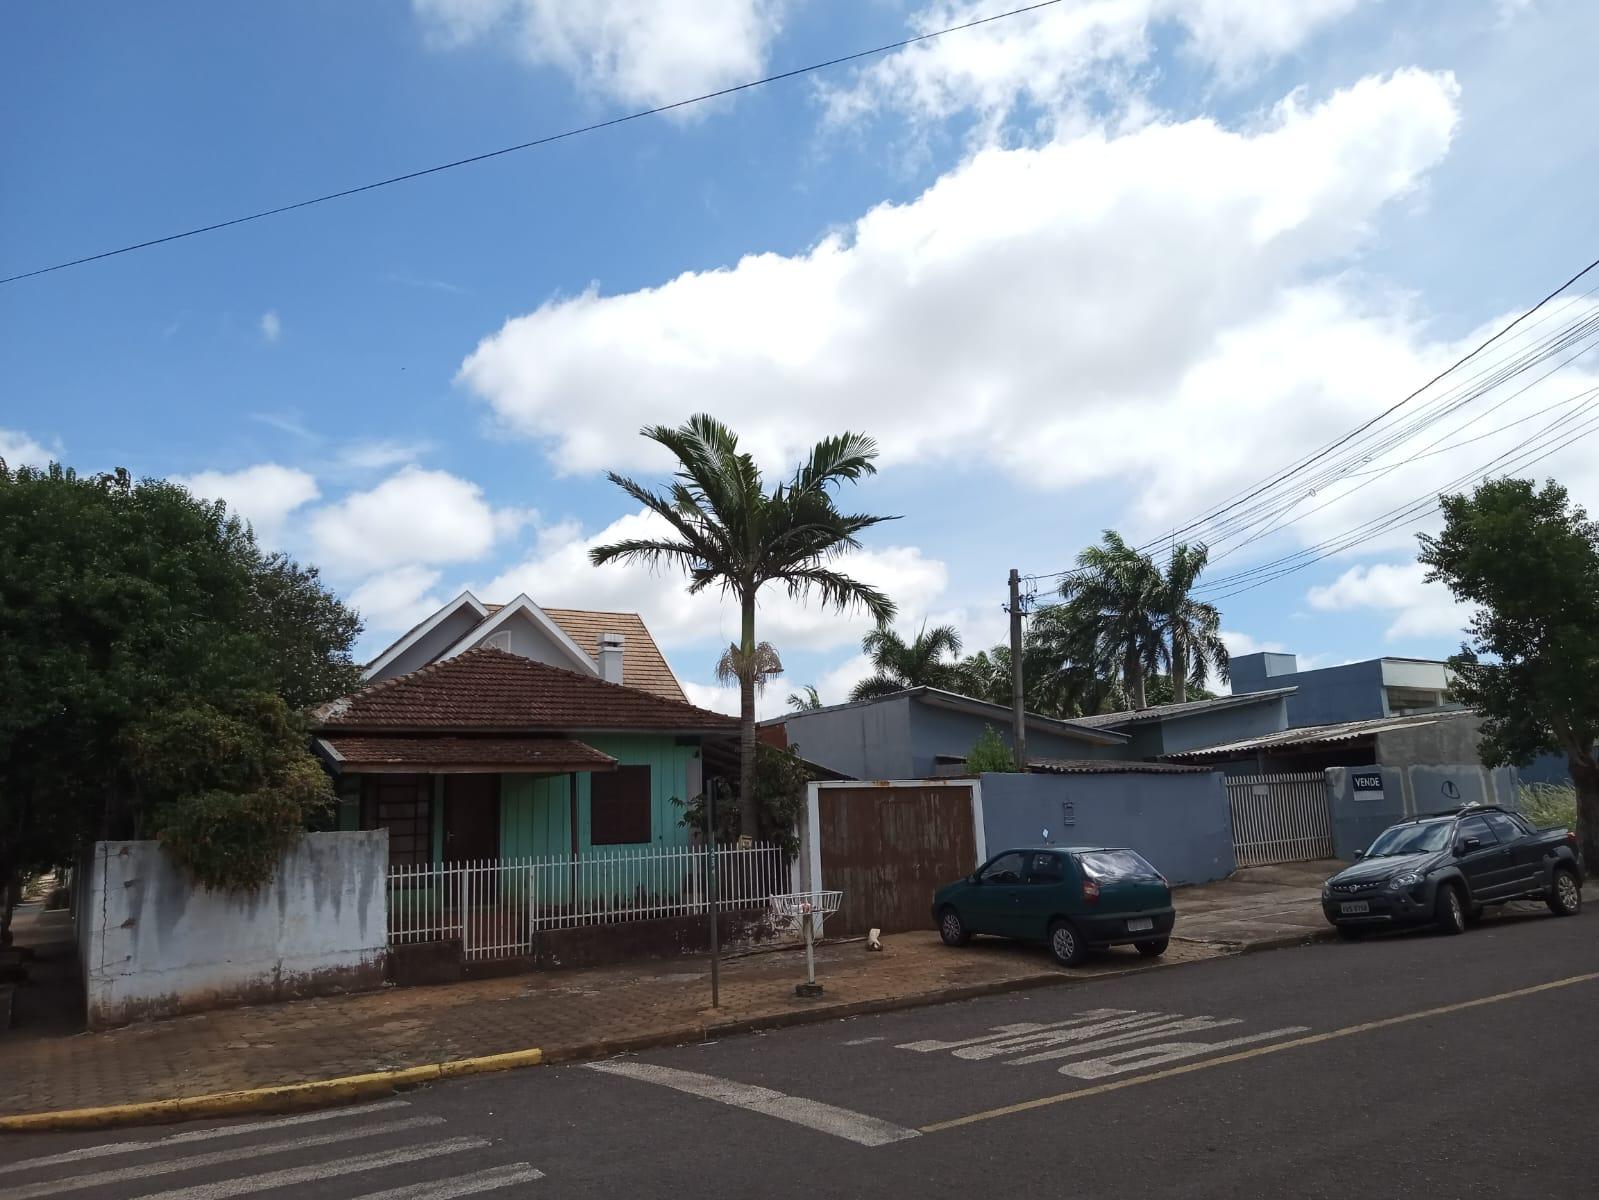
pixel 764 665
pixel 808 700
pixel 1116 600
pixel 727 530
pixel 900 665
pixel 1193 646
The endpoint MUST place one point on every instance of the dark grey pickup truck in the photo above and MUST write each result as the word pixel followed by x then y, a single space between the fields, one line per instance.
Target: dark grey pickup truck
pixel 1443 869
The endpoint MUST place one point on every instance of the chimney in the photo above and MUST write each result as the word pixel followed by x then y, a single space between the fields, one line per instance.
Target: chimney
pixel 611 657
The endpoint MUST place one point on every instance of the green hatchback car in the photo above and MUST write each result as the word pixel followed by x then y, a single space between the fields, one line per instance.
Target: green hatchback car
pixel 1072 898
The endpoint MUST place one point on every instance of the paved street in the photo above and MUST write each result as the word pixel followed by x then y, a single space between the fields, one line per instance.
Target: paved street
pixel 1403 1066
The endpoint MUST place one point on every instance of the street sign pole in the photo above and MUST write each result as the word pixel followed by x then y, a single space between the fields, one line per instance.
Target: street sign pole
pixel 710 889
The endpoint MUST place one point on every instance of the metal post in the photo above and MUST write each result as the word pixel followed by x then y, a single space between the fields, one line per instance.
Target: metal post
pixel 710 890
pixel 810 950
pixel 1017 699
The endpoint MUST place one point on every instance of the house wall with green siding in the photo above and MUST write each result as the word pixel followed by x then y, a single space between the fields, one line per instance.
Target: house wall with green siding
pixel 535 810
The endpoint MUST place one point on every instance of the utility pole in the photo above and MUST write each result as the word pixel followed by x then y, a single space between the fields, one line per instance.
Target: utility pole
pixel 1018 711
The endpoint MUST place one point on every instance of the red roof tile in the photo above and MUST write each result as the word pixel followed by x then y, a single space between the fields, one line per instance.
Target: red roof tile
pixel 487 689
pixel 410 750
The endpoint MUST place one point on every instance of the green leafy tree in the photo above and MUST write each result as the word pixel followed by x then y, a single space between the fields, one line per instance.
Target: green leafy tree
pixel 989 753
pixel 808 699
pixel 1114 613
pixel 1192 647
pixel 726 530
pixel 153 664
pixel 926 661
pixel 1529 560
pixel 779 794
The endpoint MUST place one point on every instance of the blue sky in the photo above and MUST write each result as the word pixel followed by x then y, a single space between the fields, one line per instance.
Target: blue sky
pixel 1102 265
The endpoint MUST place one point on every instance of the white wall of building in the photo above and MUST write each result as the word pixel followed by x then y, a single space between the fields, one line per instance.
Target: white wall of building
pixel 153 944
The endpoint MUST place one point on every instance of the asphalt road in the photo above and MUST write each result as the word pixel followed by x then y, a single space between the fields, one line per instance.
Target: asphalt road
pixel 1409 1066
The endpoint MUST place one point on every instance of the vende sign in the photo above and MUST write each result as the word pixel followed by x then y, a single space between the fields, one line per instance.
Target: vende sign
pixel 1367 785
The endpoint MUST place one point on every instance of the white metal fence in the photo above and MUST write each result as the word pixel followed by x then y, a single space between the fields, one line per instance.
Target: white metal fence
pixel 496 906
pixel 1280 818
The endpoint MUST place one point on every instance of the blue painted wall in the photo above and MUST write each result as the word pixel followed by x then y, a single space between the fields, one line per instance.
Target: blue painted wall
pixel 1326 696
pixel 936 731
pixel 1181 822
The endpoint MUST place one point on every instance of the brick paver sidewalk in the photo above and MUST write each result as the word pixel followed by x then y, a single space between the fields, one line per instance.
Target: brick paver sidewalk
pixel 566 1013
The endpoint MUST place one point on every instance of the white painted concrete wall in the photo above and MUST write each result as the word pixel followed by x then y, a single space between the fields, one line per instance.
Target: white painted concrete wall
pixel 153 944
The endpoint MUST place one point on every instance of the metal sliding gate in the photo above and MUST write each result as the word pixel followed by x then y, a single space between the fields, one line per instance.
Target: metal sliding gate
pixel 1280 818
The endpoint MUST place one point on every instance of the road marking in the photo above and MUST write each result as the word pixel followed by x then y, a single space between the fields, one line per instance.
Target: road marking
pixel 1258 1052
pixel 288 1176
pixel 1146 1033
pixel 813 1114
pixel 461 1185
pixel 864 1041
pixel 201 1135
pixel 214 1158
pixel 1001 1032
pixel 1118 1026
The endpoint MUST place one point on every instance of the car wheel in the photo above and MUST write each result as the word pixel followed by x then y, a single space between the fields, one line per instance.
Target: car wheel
pixel 1565 897
pixel 1450 916
pixel 1351 933
pixel 952 929
pixel 1153 949
pixel 1065 943
pixel 1474 914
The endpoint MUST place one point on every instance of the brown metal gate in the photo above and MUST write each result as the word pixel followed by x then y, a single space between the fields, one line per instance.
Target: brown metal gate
pixel 889 848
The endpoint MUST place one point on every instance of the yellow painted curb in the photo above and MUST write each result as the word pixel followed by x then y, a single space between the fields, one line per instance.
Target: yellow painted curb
pixel 282 1098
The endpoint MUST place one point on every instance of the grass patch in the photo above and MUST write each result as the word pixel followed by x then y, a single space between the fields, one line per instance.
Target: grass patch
pixel 1546 804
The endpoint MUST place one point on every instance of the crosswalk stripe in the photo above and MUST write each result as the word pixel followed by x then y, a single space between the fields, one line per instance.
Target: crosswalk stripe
pixel 169 1165
pixel 203 1135
pixel 245 1184
pixel 813 1114
pixel 461 1185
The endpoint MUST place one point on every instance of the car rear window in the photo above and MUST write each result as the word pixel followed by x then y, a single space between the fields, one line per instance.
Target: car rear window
pixel 1106 865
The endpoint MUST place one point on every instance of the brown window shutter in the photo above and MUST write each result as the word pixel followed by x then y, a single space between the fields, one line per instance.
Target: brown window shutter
pixel 619 807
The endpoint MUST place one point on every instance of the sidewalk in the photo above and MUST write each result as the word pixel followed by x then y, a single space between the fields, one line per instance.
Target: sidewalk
pixel 583 1013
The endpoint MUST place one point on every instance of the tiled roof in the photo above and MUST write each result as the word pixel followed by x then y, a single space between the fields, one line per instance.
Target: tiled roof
pixel 1191 708
pixel 1092 766
pixel 410 750
pixel 486 689
pixel 643 665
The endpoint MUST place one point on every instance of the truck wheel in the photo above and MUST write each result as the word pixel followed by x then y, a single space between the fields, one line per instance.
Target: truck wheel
pixel 1565 896
pixel 1153 949
pixel 1450 916
pixel 952 929
pixel 1065 944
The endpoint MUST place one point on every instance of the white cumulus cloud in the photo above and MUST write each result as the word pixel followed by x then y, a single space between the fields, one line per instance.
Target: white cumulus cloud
pixel 394 600
pixel 20 450
pixel 264 495
pixel 1045 59
pixel 1418 608
pixel 1184 280
pixel 271 327
pixel 645 52
pixel 415 516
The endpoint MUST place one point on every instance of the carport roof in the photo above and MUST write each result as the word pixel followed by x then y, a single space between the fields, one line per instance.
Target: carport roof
pixel 1317 735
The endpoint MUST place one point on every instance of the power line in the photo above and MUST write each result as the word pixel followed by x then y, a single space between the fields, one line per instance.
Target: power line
pixel 535 142
pixel 1269 510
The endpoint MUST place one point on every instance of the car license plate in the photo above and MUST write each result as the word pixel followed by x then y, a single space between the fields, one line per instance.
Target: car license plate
pixel 1139 924
pixel 1354 906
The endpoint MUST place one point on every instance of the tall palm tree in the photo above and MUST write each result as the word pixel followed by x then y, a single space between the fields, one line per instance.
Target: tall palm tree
pixel 1115 599
pixel 900 664
pixel 764 665
pixel 1193 646
pixel 727 530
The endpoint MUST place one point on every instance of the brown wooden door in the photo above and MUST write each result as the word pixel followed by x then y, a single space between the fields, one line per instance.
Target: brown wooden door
pixel 471 817
pixel 889 849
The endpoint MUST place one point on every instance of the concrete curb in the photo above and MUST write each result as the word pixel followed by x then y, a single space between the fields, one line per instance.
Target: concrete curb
pixel 1281 941
pixel 283 1098
pixel 349 1088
